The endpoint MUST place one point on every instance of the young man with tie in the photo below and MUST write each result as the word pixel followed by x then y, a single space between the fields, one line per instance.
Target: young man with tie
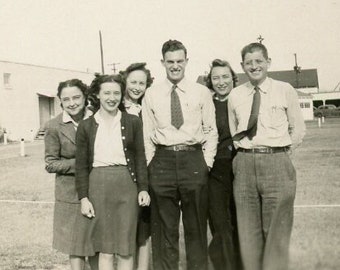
pixel 266 124
pixel 180 143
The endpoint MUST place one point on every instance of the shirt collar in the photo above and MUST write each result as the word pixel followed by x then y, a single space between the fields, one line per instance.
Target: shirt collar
pixel 218 99
pixel 181 85
pixel 99 119
pixel 129 103
pixel 67 118
pixel 264 86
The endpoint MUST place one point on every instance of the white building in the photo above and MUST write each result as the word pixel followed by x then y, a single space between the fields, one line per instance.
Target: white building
pixel 28 96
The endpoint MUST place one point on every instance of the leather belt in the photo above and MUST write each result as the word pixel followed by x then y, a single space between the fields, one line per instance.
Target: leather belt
pixel 265 150
pixel 180 147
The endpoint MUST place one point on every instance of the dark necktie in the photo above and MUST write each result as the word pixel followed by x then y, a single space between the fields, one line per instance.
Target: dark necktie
pixel 254 114
pixel 252 122
pixel 176 110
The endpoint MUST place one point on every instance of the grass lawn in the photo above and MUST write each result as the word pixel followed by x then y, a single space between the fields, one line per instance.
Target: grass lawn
pixel 26 228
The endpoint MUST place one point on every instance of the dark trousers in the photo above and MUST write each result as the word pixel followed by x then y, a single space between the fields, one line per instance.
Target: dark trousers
pixel 178 182
pixel 224 247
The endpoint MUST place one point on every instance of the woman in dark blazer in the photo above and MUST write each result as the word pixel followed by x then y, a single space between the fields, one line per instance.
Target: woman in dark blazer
pixel 111 174
pixel 69 225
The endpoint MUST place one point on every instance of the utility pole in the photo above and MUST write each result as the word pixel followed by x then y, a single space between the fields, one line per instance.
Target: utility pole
pixel 101 52
pixel 297 70
pixel 114 67
pixel 260 38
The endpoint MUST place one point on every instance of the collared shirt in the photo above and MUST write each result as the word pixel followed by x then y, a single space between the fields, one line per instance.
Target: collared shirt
pixel 67 118
pixel 280 121
pixel 198 112
pixel 108 145
pixel 131 107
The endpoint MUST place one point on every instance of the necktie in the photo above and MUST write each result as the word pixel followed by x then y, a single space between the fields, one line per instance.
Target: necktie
pixel 254 114
pixel 252 122
pixel 176 110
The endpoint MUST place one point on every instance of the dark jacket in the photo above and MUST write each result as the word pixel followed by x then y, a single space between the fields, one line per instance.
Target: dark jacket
pixel 132 138
pixel 60 149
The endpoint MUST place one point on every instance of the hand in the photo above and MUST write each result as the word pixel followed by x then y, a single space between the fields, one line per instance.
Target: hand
pixel 87 208
pixel 144 198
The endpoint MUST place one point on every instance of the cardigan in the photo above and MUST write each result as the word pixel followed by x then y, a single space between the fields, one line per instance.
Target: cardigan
pixel 132 138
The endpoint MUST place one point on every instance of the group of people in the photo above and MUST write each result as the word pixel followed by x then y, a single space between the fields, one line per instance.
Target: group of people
pixel 144 157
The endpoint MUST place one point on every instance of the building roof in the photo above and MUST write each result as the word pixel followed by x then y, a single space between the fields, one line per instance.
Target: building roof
pixel 306 78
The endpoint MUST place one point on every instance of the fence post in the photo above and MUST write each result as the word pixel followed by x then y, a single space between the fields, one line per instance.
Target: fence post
pixel 319 122
pixel 5 137
pixel 22 147
pixel 323 119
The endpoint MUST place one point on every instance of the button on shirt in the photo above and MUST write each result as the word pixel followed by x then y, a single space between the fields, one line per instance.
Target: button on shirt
pixel 280 121
pixel 198 112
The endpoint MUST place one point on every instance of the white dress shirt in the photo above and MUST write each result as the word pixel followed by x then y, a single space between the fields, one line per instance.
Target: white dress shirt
pixel 280 121
pixel 198 113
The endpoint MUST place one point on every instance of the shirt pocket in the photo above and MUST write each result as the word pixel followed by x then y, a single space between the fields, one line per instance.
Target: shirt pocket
pixel 191 110
pixel 277 116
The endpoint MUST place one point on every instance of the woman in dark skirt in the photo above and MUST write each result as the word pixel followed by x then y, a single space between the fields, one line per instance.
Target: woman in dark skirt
pixel 224 248
pixel 69 226
pixel 137 79
pixel 111 174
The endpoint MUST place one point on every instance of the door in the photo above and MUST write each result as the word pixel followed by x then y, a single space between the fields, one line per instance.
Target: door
pixel 46 109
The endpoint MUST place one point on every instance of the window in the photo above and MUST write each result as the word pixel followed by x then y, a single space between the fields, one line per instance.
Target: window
pixel 7 80
pixel 304 105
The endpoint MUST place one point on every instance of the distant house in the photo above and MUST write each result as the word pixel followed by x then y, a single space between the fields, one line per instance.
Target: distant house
pixel 28 96
pixel 306 82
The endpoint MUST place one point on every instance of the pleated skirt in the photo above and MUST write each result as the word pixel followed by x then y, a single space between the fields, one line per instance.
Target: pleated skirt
pixel 114 198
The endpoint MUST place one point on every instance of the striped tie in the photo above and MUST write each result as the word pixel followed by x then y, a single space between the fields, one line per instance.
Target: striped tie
pixel 176 110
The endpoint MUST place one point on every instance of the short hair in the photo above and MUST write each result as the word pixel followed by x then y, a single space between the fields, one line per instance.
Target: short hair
pixel 220 63
pixel 173 45
pixel 95 88
pixel 73 83
pixel 134 67
pixel 252 47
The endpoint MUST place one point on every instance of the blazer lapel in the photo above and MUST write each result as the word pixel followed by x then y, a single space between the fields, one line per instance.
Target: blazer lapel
pixel 69 132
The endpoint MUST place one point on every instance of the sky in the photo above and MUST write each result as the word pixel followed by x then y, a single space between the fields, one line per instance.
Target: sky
pixel 65 33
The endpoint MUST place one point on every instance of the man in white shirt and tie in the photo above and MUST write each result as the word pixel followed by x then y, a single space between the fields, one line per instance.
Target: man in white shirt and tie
pixel 266 124
pixel 180 138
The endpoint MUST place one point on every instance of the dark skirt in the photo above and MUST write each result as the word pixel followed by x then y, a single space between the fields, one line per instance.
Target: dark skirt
pixel 114 198
pixel 144 226
pixel 70 230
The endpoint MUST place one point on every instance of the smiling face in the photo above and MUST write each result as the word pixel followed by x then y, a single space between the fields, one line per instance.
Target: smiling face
pixel 72 100
pixel 109 95
pixel 175 63
pixel 255 65
pixel 222 81
pixel 135 85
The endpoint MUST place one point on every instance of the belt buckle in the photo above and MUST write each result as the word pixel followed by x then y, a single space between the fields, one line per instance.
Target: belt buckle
pixel 264 150
pixel 176 148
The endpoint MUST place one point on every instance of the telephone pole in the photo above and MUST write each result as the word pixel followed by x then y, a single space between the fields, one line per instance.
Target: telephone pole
pixel 297 70
pixel 101 52
pixel 114 67
pixel 260 38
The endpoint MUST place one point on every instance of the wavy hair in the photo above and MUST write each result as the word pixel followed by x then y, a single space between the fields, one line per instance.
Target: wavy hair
pixel 96 86
pixel 220 63
pixel 74 83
